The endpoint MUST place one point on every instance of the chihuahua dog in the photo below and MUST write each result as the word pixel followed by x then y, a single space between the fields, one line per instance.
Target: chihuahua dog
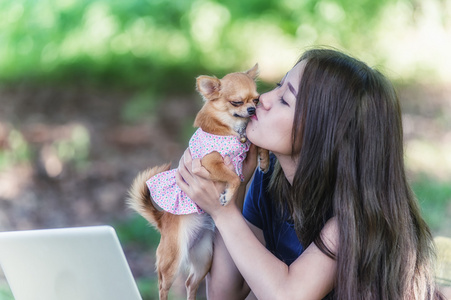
pixel 186 231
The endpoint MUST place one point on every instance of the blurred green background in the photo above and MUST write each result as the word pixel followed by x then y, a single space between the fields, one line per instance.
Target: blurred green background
pixel 91 92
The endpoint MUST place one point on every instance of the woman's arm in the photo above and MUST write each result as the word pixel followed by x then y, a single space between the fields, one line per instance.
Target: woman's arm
pixel 311 276
pixel 224 280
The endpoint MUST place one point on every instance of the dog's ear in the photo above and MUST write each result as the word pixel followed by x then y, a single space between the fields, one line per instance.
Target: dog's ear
pixel 208 87
pixel 253 73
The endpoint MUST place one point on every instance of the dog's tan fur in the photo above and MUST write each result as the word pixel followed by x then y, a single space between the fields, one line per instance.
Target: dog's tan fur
pixel 187 240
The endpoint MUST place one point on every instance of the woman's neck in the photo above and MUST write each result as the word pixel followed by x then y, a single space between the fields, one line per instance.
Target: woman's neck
pixel 288 165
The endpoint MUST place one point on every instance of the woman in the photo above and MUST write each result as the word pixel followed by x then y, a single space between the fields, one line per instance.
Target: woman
pixel 338 185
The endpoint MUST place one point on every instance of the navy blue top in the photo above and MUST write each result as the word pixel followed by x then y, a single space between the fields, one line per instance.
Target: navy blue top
pixel 259 210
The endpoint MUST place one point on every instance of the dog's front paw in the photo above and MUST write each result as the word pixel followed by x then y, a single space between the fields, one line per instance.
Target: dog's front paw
pixel 263 160
pixel 263 165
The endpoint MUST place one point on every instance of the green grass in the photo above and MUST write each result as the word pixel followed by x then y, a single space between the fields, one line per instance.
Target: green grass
pixel 137 233
pixel 148 288
pixel 137 230
pixel 434 197
pixel 5 292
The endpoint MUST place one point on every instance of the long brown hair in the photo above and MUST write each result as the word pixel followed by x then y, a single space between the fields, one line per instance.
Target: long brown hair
pixel 351 166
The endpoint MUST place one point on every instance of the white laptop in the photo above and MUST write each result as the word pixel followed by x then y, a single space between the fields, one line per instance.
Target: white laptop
pixel 83 263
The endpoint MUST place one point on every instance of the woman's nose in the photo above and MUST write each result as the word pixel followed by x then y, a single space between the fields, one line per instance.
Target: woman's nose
pixel 264 100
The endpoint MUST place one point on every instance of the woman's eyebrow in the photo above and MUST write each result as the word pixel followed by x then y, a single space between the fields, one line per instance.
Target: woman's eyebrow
pixel 291 88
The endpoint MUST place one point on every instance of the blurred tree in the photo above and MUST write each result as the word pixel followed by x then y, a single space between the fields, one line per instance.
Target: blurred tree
pixel 141 43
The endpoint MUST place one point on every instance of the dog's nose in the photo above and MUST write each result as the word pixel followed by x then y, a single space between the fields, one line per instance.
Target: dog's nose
pixel 251 111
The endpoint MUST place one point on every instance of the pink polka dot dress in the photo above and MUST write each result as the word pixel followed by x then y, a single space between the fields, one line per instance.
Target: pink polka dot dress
pixel 163 188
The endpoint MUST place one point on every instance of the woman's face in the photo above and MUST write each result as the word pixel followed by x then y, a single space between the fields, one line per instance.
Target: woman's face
pixel 271 127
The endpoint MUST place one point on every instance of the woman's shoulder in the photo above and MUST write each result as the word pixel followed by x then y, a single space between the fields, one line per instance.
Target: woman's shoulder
pixel 330 234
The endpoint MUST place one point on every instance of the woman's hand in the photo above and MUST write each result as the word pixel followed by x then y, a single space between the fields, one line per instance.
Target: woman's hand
pixel 194 180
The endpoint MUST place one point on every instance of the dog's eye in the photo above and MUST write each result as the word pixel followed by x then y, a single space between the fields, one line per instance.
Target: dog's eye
pixel 236 103
pixel 256 101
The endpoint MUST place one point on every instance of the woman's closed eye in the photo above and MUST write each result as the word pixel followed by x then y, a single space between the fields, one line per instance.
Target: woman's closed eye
pixel 281 98
pixel 283 101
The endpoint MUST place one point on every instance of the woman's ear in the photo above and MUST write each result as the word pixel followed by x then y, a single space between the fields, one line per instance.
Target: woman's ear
pixel 208 87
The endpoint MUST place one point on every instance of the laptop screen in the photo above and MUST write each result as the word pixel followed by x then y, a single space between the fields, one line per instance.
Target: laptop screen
pixel 69 263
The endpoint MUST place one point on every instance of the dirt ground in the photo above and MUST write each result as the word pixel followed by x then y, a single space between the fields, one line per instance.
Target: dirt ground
pixel 48 192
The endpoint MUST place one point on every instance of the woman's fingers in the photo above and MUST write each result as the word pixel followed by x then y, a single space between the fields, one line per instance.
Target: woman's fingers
pixel 183 174
pixel 180 180
pixel 194 180
pixel 190 175
pixel 187 158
